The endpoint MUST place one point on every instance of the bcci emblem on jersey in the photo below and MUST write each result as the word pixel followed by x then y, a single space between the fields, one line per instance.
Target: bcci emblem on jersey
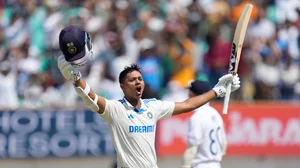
pixel 150 115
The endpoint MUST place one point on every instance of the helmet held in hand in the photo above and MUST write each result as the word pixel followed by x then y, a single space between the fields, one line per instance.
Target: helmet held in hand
pixel 75 45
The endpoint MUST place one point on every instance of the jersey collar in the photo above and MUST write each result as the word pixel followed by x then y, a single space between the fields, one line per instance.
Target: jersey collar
pixel 127 104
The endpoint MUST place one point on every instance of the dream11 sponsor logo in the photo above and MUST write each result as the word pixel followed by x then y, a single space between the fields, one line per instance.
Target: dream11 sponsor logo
pixel 262 131
pixel 53 133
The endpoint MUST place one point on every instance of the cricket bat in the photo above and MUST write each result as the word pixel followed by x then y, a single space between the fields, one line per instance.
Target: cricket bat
pixel 236 49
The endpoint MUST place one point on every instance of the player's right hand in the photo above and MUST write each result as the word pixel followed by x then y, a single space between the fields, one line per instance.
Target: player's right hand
pixel 220 87
pixel 235 83
pixel 67 70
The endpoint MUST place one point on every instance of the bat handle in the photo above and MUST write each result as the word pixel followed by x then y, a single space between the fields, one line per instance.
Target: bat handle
pixel 226 99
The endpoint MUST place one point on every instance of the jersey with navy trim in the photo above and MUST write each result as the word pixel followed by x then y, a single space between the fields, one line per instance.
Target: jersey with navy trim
pixel 206 130
pixel 133 130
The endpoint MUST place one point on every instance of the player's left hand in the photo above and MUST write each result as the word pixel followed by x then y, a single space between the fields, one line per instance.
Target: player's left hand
pixel 67 70
pixel 220 87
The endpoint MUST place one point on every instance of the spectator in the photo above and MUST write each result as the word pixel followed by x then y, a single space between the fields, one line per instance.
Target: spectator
pixel 180 50
pixel 267 83
pixel 8 88
pixel 150 64
pixel 217 56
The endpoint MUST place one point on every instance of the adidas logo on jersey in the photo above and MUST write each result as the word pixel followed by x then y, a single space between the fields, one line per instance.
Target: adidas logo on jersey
pixel 130 116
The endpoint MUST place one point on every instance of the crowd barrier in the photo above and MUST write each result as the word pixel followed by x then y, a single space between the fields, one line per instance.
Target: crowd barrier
pixel 53 133
pixel 260 129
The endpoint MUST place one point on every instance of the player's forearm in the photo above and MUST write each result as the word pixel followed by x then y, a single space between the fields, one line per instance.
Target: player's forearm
pixel 188 157
pixel 81 83
pixel 194 102
pixel 87 95
pixel 197 101
pixel 224 148
pixel 224 145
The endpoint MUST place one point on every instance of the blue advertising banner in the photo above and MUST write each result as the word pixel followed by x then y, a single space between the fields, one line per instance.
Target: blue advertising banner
pixel 53 133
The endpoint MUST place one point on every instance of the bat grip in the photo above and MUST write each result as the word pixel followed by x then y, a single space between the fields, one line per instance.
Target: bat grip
pixel 226 99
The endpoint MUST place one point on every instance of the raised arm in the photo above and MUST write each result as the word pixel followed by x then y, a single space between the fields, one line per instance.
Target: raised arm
pixel 193 103
pixel 92 100
pixel 219 90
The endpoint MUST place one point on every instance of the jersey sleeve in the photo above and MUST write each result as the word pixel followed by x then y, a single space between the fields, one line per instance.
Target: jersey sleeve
pixel 195 132
pixel 111 107
pixel 163 109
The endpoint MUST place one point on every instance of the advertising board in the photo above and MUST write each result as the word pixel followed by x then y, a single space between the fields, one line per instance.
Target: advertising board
pixel 53 133
pixel 252 129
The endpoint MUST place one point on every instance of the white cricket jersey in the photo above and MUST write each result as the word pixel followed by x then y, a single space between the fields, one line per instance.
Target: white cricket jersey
pixel 133 130
pixel 206 130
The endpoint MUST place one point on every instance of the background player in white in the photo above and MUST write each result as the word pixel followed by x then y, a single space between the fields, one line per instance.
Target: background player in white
pixel 206 135
pixel 131 120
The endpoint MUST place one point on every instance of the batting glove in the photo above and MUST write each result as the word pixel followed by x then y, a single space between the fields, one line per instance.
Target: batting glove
pixel 235 83
pixel 220 87
pixel 67 70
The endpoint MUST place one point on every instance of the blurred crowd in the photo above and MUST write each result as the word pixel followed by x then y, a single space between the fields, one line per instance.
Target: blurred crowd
pixel 173 41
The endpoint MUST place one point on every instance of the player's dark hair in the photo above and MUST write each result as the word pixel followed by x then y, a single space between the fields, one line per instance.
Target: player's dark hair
pixel 128 69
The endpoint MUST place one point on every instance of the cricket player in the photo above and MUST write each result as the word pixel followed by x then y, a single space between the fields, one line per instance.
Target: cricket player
pixel 206 135
pixel 131 120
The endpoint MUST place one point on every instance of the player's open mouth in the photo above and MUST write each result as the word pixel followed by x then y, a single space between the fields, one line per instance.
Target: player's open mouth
pixel 138 90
